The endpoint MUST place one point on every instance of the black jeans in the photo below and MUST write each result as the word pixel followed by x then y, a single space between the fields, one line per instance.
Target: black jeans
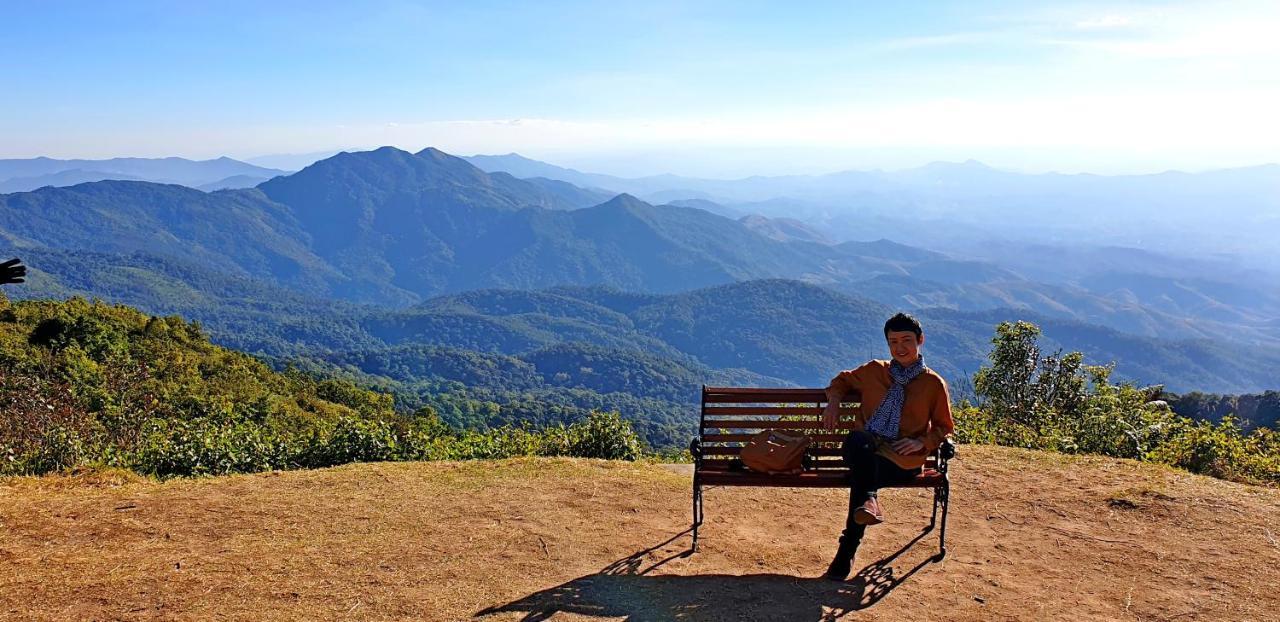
pixel 868 472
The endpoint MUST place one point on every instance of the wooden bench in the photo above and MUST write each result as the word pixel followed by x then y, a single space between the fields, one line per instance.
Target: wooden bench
pixel 731 415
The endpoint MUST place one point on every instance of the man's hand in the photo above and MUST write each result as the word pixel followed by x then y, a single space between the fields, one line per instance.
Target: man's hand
pixel 831 416
pixel 12 271
pixel 907 446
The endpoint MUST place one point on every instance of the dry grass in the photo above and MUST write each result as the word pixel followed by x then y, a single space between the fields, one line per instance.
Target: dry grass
pixel 1032 536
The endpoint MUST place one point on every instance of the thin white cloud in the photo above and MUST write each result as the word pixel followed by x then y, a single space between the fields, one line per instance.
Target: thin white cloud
pixel 1103 23
pixel 1217 121
pixel 1255 42
pixel 933 41
pixel 1144 130
pixel 1246 30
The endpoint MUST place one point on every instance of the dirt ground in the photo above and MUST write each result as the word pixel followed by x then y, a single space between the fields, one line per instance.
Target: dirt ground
pixel 1031 537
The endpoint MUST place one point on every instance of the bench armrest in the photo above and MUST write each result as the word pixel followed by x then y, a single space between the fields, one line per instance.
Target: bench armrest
pixel 695 450
pixel 945 452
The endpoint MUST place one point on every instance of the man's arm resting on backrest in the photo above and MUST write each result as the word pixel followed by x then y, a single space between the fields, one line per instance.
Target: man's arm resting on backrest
pixel 941 425
pixel 840 386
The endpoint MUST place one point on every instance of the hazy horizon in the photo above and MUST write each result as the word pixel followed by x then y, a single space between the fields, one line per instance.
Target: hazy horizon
pixel 715 89
pixel 608 165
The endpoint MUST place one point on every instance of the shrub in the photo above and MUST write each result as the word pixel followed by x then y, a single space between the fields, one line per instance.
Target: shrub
pixel 204 447
pixel 352 440
pixel 59 448
pixel 603 435
pixel 1058 403
pixel 1202 447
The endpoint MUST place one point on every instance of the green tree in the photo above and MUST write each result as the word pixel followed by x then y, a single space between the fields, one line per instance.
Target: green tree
pixel 1059 403
pixel 1030 391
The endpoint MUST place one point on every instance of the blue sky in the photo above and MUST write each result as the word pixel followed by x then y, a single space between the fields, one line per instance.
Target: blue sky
pixel 712 88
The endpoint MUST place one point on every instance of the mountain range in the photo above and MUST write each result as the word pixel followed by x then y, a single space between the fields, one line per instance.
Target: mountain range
pixel 373 256
pixel 962 207
pixel 20 175
pixel 391 227
pixel 1042 230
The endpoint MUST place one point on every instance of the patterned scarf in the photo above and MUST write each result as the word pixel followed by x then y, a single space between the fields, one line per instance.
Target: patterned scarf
pixel 885 421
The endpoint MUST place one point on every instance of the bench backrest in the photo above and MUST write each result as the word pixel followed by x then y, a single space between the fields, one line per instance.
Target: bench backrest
pixel 732 415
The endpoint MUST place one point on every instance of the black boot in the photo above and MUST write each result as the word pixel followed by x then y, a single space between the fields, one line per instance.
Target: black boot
pixel 843 563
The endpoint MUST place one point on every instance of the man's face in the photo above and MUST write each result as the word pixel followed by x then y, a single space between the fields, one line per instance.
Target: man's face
pixel 904 346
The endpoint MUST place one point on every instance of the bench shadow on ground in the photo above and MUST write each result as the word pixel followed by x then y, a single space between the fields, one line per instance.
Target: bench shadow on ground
pixel 627 589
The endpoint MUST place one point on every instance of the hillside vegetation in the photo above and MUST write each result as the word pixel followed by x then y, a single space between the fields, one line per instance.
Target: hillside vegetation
pixel 85 383
pixel 1260 410
pixel 88 384
pixel 1055 401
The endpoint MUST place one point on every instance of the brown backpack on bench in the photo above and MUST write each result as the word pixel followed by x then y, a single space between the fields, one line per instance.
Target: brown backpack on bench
pixel 774 452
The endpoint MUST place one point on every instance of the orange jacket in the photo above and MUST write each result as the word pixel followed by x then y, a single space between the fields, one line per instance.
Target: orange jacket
pixel 926 411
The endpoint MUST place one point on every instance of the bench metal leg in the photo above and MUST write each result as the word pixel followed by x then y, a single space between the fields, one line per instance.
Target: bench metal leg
pixel 933 518
pixel 697 511
pixel 944 493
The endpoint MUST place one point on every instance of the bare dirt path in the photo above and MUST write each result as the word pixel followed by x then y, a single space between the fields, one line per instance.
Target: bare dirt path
pixel 1032 537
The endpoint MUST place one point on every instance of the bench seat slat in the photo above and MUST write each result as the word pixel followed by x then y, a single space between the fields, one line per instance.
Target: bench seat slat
pixel 826 461
pixel 747 424
pixel 823 462
pixel 739 438
pixel 826 478
pixel 721 450
pixel 808 411
pixel 770 395
pixel 762 398
pixel 789 391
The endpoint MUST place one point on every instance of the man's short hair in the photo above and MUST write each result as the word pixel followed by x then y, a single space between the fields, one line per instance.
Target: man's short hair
pixel 901 323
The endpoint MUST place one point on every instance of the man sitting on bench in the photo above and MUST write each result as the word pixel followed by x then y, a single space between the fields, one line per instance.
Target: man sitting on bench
pixel 905 415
